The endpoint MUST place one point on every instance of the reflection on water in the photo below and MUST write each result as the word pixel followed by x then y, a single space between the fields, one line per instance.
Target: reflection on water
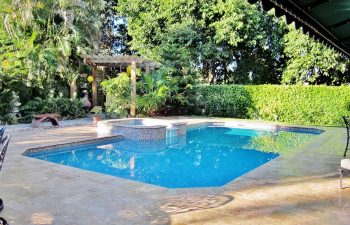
pixel 278 142
pixel 204 157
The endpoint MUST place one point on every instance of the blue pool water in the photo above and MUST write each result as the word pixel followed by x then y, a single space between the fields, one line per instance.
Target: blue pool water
pixel 205 157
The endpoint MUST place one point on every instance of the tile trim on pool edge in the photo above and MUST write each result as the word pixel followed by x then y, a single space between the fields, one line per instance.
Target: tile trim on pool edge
pixel 58 147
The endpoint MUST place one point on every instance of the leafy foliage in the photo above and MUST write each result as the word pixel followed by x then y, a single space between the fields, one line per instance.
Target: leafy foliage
pixel 42 43
pixel 160 92
pixel 44 39
pixel 214 37
pixel 115 36
pixel 155 91
pixel 118 94
pixel 154 94
pixel 229 42
pixel 309 105
pixel 311 62
pixel 5 101
pixel 67 108
pixel 219 100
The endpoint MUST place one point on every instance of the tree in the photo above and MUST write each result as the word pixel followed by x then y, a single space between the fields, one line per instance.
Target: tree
pixel 45 40
pixel 311 62
pixel 211 36
pixel 115 36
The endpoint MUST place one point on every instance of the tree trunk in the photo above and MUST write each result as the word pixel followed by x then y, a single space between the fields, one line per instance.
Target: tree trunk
pixel 73 88
pixel 205 70
pixel 212 73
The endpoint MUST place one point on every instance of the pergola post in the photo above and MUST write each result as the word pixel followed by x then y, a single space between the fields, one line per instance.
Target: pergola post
pixel 133 89
pixel 94 86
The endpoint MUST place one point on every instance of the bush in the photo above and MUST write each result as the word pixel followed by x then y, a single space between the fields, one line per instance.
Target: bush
pixel 8 98
pixel 118 94
pixel 67 108
pixel 307 105
pixel 152 94
pixel 220 100
pixel 6 107
pixel 154 90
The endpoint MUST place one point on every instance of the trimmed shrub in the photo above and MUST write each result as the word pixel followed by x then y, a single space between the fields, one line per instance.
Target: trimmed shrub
pixel 220 100
pixel 307 105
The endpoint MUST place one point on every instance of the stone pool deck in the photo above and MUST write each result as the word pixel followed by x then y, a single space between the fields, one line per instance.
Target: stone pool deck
pixel 299 188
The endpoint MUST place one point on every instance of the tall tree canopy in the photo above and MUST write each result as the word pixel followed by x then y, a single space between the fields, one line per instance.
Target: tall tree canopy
pixel 311 62
pixel 229 42
pixel 115 38
pixel 225 40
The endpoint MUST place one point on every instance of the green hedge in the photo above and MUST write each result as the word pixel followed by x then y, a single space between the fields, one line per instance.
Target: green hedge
pixel 308 105
pixel 218 100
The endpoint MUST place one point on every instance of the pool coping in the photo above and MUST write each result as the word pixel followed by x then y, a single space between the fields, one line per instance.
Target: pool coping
pixel 119 123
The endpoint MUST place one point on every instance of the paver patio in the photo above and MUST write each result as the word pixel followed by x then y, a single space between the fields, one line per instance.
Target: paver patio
pixel 299 188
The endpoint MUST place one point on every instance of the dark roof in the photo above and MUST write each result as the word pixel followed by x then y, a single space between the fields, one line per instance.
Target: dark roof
pixel 325 20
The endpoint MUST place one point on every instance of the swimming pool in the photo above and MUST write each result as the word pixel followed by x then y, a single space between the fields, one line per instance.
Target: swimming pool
pixel 204 157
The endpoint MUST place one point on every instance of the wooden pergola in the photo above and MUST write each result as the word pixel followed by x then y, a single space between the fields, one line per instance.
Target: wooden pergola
pixel 119 61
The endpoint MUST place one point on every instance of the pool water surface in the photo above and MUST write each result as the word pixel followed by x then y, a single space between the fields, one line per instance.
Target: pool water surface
pixel 204 157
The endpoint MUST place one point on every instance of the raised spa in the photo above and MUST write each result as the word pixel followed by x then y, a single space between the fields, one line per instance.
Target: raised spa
pixel 141 129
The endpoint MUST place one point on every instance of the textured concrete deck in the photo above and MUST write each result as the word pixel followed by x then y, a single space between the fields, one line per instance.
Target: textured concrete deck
pixel 299 188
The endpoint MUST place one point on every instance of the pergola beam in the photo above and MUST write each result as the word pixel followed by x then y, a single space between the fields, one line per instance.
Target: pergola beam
pixel 139 65
pixel 120 60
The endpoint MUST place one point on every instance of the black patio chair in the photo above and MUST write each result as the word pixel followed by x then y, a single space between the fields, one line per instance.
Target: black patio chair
pixel 345 163
pixel 347 126
pixel 2 132
pixel 4 142
pixel 3 221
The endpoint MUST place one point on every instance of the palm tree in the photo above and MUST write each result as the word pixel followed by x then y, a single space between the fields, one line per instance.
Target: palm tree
pixel 49 37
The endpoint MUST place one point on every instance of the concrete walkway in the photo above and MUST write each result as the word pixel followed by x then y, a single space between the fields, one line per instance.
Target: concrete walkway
pixel 299 188
pixel 47 125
